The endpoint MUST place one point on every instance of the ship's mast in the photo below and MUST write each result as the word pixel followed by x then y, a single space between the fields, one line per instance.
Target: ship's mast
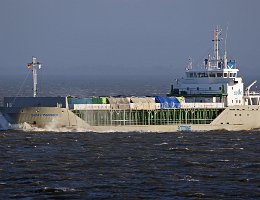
pixel 217 32
pixel 34 65
pixel 225 53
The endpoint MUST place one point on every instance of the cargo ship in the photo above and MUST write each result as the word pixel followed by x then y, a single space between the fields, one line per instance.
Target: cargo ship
pixel 209 97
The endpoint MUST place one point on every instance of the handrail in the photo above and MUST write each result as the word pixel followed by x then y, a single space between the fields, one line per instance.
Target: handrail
pixel 252 94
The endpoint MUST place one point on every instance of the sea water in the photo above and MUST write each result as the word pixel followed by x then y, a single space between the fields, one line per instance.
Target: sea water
pixel 87 165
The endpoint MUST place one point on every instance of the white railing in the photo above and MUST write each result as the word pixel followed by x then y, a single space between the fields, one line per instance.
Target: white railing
pixel 202 105
pixel 252 93
pixel 91 106
pixel 142 107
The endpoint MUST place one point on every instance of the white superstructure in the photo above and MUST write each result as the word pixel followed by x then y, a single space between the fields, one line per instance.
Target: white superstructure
pixel 217 81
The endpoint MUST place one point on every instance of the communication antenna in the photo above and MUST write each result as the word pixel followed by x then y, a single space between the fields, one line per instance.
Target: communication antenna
pixel 225 53
pixel 226 39
pixel 34 65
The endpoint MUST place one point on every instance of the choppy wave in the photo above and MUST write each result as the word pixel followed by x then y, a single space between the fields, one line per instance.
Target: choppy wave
pixel 132 165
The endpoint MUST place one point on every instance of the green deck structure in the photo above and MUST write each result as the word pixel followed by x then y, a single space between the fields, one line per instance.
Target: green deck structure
pixel 148 117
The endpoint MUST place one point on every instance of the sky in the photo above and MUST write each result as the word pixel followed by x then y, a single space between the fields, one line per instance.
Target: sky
pixel 125 37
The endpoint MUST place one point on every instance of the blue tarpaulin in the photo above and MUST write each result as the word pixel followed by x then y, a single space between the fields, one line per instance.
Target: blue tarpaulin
pixel 167 102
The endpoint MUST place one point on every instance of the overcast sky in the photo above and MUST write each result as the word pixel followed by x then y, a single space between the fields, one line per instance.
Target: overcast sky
pixel 125 37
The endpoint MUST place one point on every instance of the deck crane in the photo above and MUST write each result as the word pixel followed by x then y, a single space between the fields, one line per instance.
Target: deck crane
pixel 248 88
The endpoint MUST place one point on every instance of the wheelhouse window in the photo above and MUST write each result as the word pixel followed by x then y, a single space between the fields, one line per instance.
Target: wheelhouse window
pixel 202 74
pixel 212 75
pixel 219 75
pixel 231 75
pixel 225 75
pixel 190 75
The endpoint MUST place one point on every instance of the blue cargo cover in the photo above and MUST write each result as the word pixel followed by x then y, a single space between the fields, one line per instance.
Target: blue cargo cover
pixel 167 102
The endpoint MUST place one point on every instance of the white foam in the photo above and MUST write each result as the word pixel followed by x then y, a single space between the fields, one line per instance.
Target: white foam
pixel 189 179
pixel 50 128
pixel 56 127
pixel 164 143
